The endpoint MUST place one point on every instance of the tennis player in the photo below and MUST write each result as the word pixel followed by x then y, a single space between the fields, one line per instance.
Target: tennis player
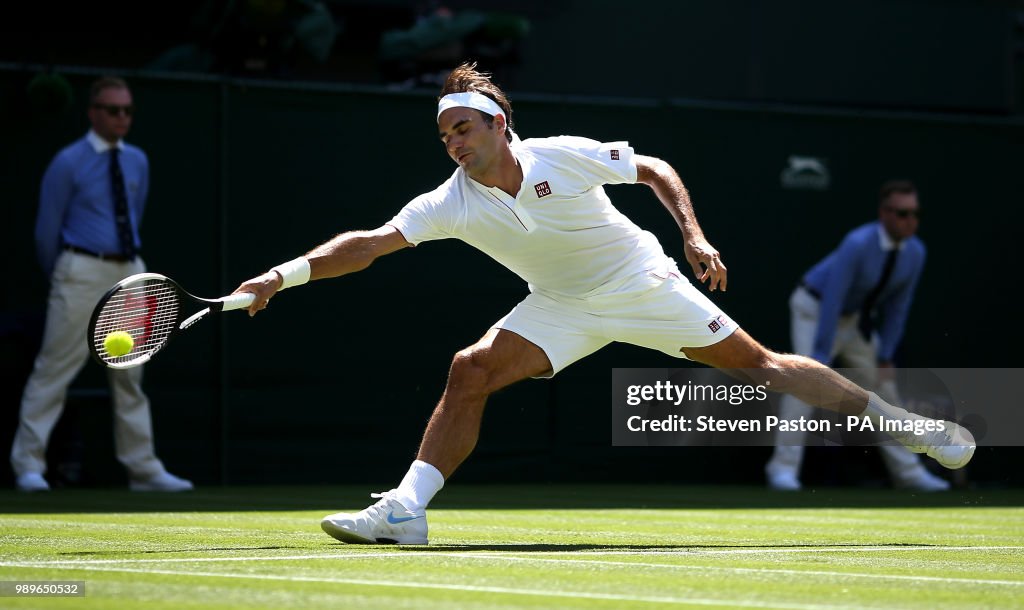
pixel 537 206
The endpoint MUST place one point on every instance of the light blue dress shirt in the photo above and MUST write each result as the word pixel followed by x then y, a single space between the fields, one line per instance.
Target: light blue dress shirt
pixel 845 277
pixel 76 203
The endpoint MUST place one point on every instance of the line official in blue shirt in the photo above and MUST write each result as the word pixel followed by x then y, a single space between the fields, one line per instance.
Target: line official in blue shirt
pixel 75 200
pixel 852 307
pixel 843 280
pixel 91 202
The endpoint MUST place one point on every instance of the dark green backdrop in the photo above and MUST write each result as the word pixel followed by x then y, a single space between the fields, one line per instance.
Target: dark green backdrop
pixel 246 175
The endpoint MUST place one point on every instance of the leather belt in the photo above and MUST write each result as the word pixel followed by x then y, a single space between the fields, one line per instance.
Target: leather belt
pixel 119 258
pixel 810 290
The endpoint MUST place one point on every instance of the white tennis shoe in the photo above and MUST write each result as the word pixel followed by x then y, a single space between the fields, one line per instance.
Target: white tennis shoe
pixel 163 481
pixel 386 522
pixel 31 481
pixel 921 480
pixel 952 447
pixel 782 479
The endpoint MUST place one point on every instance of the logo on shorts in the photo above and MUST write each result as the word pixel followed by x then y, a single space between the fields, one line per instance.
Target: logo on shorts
pixel 615 155
pixel 542 189
pixel 718 323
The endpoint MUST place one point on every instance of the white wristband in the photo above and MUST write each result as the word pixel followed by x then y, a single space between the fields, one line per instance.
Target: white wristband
pixel 293 273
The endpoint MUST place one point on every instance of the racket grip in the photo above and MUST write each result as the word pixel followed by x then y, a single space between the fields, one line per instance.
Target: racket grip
pixel 237 301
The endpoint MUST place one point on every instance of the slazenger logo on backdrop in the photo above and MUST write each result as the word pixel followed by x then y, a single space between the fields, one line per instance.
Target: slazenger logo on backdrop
pixel 806 173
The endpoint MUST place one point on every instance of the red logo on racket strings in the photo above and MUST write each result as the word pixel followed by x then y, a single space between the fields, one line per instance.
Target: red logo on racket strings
pixel 145 306
pixel 615 155
pixel 718 323
pixel 543 190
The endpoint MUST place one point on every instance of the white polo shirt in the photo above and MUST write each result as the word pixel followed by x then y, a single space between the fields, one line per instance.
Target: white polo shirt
pixel 561 233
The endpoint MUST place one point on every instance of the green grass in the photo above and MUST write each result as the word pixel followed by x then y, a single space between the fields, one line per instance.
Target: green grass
pixel 504 547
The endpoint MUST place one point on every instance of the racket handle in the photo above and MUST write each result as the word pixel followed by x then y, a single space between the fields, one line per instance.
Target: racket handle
pixel 237 301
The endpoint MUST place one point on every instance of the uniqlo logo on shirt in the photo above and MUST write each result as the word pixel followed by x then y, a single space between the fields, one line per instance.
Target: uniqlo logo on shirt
pixel 542 189
pixel 615 155
pixel 718 323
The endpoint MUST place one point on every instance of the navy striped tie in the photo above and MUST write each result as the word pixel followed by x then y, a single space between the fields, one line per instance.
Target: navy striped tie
pixel 865 323
pixel 124 223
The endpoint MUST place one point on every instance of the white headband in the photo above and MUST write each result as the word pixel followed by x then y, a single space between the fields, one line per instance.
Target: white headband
pixel 477 101
pixel 469 99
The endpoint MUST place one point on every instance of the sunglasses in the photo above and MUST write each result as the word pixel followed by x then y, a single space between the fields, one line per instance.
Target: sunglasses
pixel 905 213
pixel 114 110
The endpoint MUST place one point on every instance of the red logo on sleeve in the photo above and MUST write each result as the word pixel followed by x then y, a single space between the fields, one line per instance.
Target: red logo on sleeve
pixel 718 323
pixel 542 189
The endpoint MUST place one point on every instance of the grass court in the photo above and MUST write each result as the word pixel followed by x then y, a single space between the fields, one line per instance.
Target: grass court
pixel 518 546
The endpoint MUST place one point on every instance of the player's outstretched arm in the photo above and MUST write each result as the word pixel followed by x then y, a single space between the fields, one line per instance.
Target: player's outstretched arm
pixel 345 253
pixel 704 259
pixel 353 251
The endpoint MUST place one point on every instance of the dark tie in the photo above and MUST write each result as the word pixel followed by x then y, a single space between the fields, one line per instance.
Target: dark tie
pixel 124 223
pixel 865 322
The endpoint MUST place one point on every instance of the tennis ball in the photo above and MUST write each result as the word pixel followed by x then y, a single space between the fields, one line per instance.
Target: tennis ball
pixel 118 343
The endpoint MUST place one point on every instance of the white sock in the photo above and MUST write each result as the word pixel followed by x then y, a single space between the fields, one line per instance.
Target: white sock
pixel 418 487
pixel 878 409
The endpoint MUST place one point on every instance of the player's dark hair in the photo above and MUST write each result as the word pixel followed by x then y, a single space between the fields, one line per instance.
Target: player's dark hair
pixel 903 187
pixel 105 82
pixel 467 78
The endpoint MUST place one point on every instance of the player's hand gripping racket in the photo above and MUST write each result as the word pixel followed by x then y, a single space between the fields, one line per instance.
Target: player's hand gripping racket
pixel 150 308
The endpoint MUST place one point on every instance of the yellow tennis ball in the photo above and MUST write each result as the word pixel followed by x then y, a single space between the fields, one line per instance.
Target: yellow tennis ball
pixel 118 343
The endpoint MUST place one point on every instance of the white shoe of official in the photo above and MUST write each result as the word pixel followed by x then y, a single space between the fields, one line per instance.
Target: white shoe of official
pixel 31 481
pixel 782 480
pixel 386 522
pixel 952 447
pixel 164 481
pixel 922 480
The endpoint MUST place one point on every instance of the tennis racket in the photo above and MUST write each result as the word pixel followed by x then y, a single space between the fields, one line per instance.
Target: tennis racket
pixel 151 308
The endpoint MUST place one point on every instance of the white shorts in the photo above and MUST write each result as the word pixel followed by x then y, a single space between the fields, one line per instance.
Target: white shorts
pixel 667 316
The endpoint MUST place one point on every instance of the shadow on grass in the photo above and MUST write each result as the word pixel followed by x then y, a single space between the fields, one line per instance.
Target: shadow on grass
pixel 191 550
pixel 632 548
pixel 329 499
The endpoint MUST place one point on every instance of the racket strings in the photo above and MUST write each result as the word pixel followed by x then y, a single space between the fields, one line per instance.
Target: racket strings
pixel 148 311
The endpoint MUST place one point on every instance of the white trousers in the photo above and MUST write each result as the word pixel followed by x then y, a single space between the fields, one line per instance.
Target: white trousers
pixel 854 352
pixel 77 284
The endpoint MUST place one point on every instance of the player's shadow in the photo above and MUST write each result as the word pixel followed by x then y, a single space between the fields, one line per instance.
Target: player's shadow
pixel 185 550
pixel 638 548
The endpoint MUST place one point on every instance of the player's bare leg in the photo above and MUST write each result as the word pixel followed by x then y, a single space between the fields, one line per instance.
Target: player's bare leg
pixel 803 377
pixel 499 359
pixel 819 386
